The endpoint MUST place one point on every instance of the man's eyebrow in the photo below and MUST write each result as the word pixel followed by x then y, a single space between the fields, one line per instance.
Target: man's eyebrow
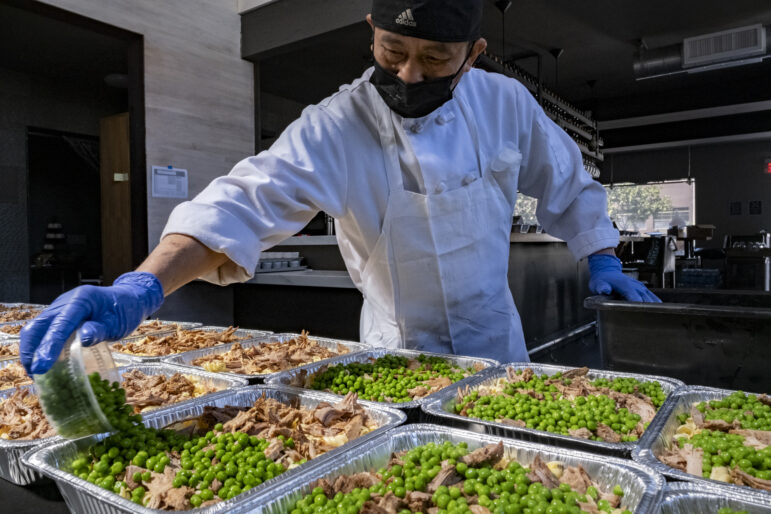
pixel 443 48
pixel 386 38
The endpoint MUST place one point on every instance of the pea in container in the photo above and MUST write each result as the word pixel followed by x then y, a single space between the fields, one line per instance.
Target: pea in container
pixel 65 391
pixel 187 358
pixel 302 376
pixel 248 335
pixel 440 409
pixel 642 486
pixel 11 451
pixel 688 497
pixel 659 437
pixel 53 460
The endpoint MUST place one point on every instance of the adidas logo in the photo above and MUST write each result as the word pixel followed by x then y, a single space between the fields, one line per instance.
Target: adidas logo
pixel 405 18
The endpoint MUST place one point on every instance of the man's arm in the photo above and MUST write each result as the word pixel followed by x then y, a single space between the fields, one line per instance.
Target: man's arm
pixel 179 259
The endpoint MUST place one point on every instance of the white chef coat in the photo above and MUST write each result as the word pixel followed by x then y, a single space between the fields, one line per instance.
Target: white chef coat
pixel 330 159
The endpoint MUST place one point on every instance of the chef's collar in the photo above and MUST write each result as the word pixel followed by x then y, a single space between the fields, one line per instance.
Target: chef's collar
pixel 435 20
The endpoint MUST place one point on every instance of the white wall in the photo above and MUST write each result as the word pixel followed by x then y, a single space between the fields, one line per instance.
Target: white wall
pixel 198 91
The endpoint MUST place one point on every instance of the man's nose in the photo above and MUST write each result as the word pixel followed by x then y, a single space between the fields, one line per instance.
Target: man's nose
pixel 411 72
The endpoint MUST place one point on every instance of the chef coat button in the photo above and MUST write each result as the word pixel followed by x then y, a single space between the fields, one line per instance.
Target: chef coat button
pixel 468 179
pixel 416 128
pixel 440 187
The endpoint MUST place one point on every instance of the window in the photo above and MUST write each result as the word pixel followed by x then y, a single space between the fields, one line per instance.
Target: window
pixel 652 207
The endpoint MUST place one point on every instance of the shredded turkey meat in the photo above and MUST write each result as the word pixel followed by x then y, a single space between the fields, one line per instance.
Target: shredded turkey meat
pixel 154 326
pixel 13 375
pixel 21 417
pixel 17 313
pixel 269 357
pixel 314 431
pixel 180 341
pixel 9 350
pixel 13 330
pixel 419 501
pixel 146 392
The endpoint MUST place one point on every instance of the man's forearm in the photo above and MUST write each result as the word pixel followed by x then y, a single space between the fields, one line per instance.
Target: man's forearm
pixel 179 259
pixel 606 251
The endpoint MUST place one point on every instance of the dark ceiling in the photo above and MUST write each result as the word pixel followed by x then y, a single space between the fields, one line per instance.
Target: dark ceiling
pixel 41 45
pixel 598 39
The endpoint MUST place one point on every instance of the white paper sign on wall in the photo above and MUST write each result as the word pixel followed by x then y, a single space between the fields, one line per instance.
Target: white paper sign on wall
pixel 169 182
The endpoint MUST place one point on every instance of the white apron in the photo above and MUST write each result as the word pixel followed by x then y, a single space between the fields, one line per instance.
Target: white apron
pixel 437 278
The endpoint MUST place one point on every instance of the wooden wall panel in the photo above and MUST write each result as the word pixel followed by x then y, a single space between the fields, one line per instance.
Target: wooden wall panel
pixel 198 90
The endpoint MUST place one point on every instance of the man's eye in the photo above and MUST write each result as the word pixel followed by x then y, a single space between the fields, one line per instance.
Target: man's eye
pixel 435 61
pixel 393 54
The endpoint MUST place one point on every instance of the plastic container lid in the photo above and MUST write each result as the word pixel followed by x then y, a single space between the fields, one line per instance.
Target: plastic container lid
pixel 65 391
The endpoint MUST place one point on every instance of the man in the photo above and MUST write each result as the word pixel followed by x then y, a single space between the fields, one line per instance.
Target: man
pixel 419 161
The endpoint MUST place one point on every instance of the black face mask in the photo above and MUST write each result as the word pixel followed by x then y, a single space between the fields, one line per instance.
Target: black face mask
pixel 413 100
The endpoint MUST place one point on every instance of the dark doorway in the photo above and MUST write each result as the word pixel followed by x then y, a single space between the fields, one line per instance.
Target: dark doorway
pixel 63 211
pixel 63 74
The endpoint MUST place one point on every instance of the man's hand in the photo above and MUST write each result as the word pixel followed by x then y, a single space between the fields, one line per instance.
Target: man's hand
pixel 607 278
pixel 105 313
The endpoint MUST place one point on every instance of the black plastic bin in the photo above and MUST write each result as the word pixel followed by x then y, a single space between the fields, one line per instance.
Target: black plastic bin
pixel 702 337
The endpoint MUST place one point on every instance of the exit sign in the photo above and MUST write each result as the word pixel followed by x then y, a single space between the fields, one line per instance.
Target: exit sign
pixel 767 169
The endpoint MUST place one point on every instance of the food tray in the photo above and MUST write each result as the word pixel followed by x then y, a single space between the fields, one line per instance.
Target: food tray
pixel 187 358
pixel 211 379
pixel 686 497
pixel 437 409
pixel 660 432
pixel 4 335
pixel 11 468
pixel 642 486
pixel 412 409
pixel 251 334
pixel 83 497
pixel 186 325
pixel 7 342
pixel 5 363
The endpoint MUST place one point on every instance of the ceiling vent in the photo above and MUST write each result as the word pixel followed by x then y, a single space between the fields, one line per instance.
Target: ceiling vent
pixel 719 50
pixel 727 45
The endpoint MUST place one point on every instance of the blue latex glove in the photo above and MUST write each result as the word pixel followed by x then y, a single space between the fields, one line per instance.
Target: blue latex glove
pixel 607 278
pixel 106 313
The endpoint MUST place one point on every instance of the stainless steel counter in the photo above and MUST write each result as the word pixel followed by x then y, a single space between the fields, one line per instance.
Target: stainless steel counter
pixel 306 278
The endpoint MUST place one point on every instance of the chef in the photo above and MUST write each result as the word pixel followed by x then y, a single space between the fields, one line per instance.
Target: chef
pixel 419 161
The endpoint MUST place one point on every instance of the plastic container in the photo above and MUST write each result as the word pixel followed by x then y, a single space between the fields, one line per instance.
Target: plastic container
pixel 702 337
pixel 65 391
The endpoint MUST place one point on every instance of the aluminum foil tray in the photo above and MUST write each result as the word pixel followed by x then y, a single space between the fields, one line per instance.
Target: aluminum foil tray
pixel 11 452
pixel 686 498
pixel 298 376
pixel 250 334
pixel 7 342
pixel 186 359
pixel 8 362
pixel 4 335
pixel 659 435
pixel 439 409
pixel 11 467
pixel 86 498
pixel 210 379
pixel 642 486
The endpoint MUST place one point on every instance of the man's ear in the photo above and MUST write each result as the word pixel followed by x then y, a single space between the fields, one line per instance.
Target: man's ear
pixel 479 46
pixel 369 20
